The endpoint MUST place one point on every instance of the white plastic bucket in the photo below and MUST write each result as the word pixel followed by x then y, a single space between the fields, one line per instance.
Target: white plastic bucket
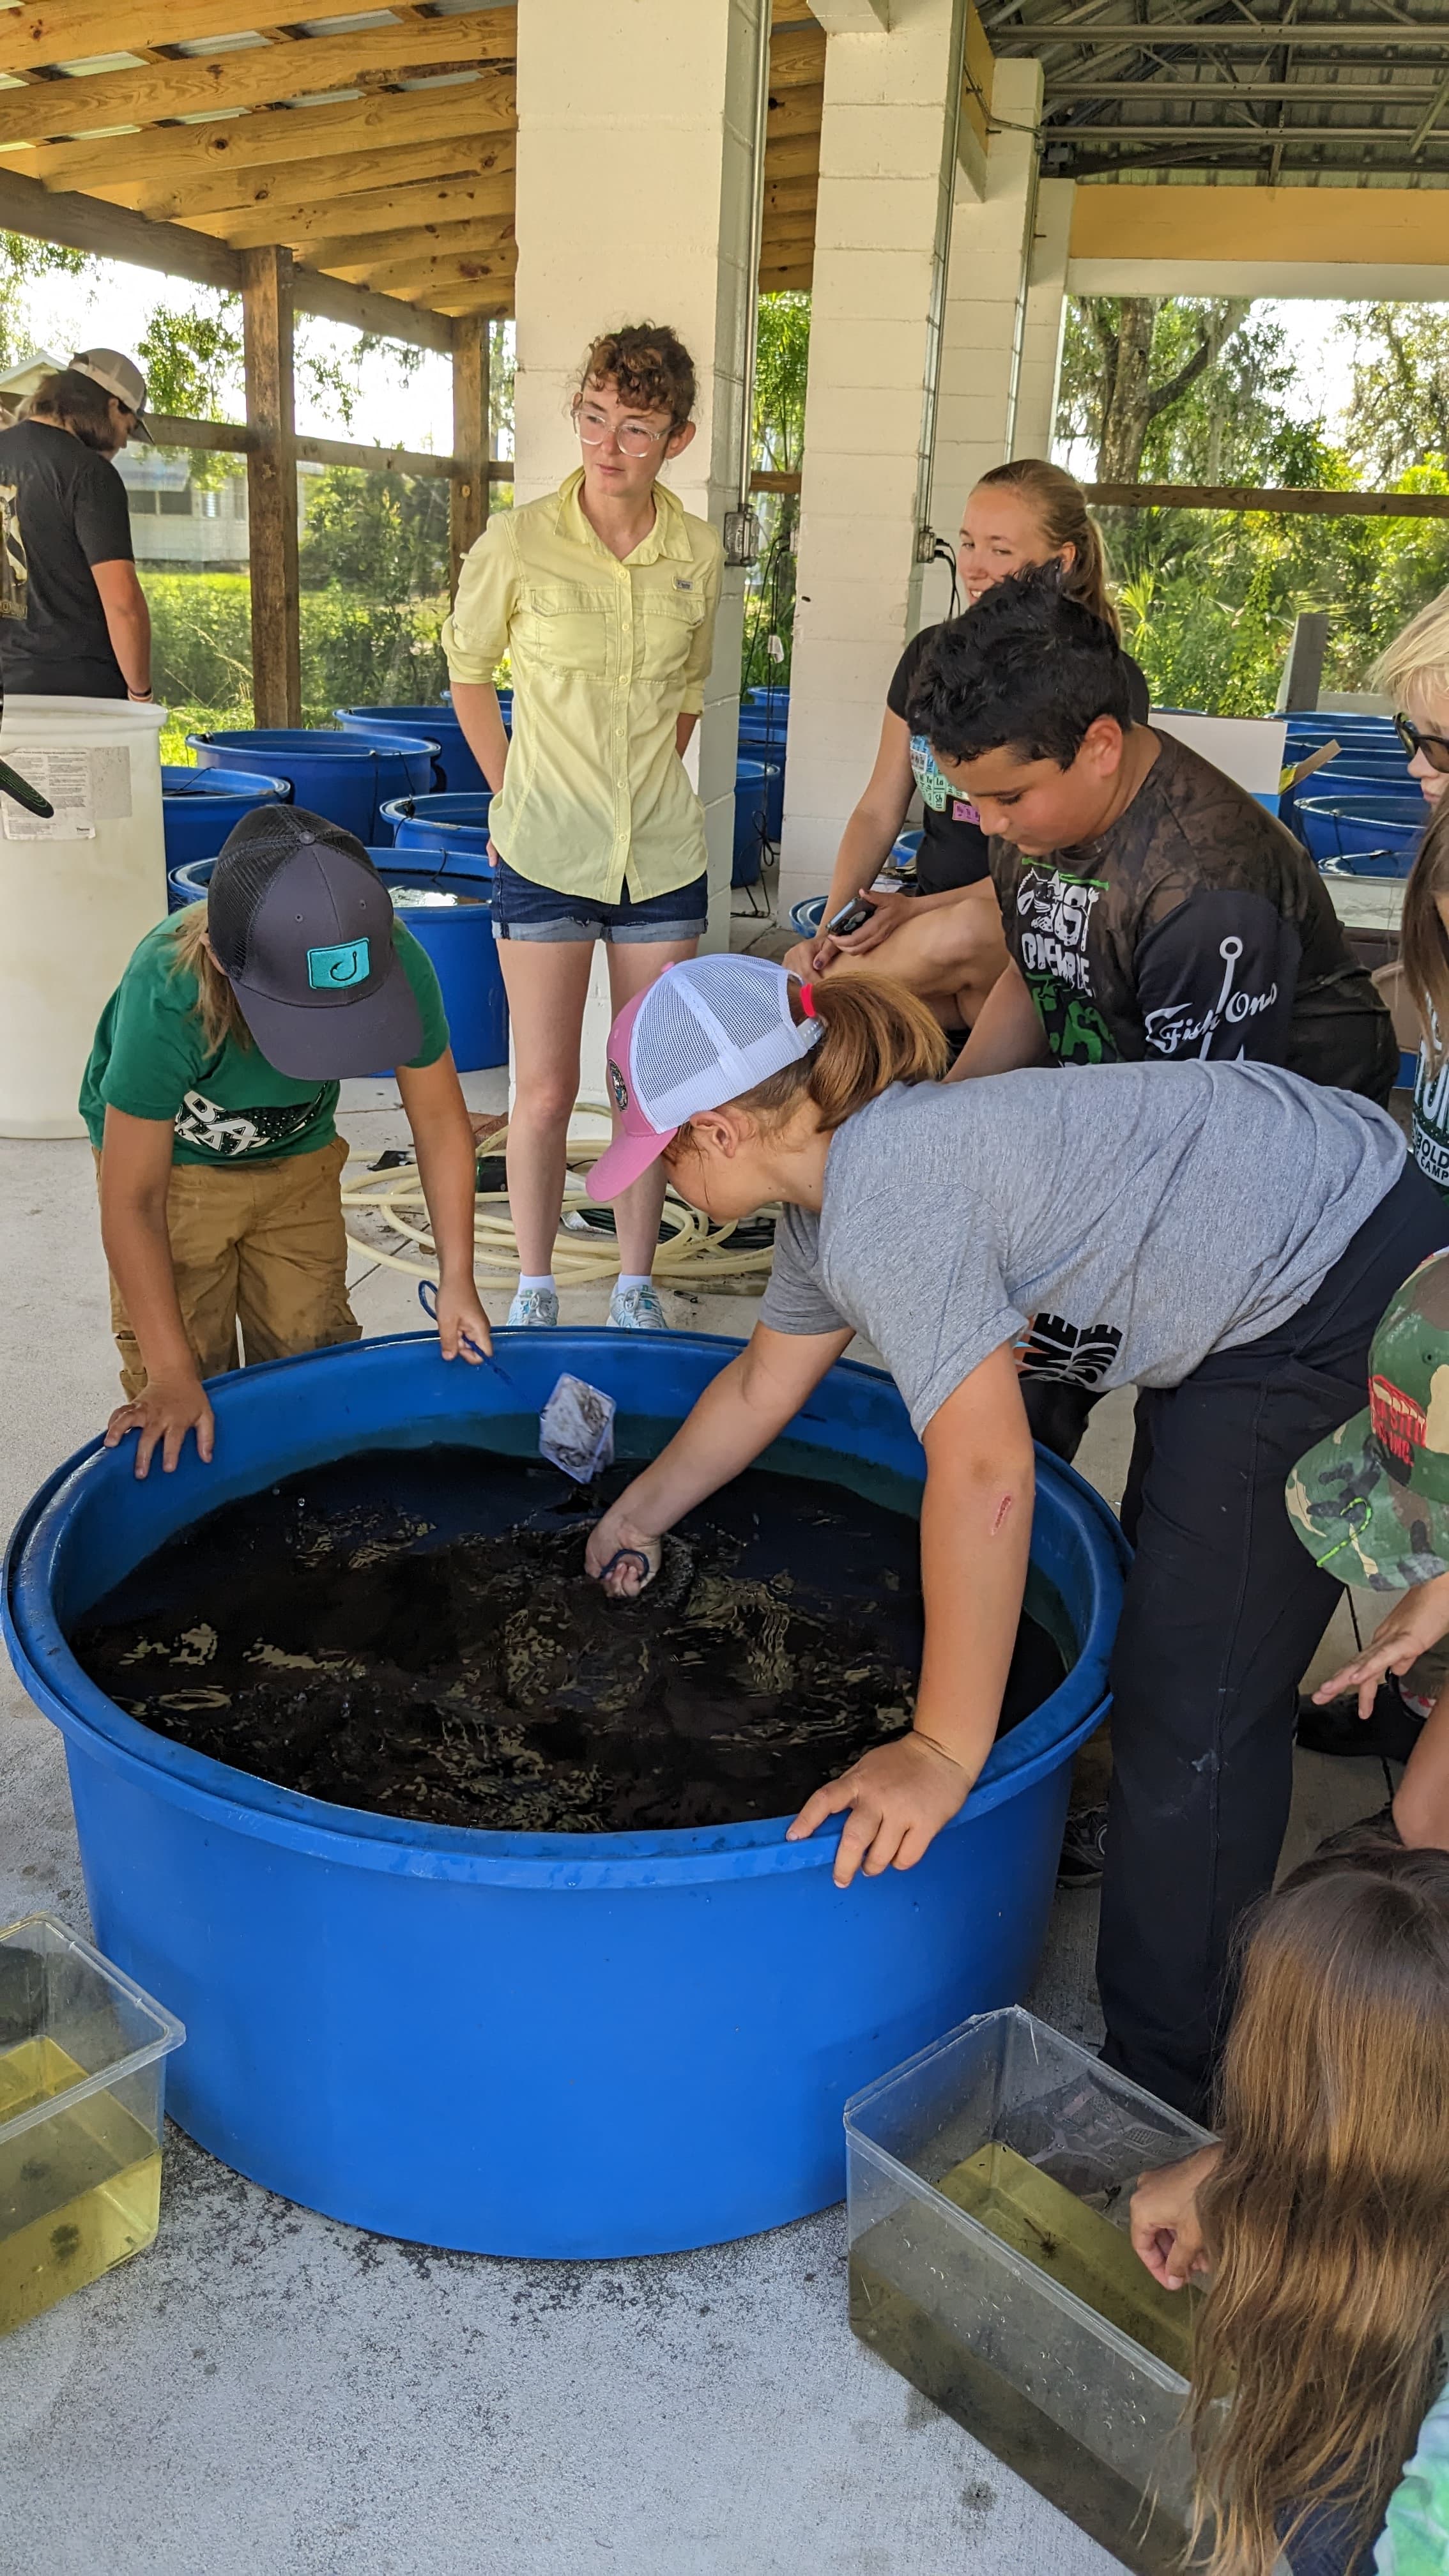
pixel 78 892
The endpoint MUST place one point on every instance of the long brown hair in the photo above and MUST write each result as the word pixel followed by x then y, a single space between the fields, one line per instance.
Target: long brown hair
pixel 1423 941
pixel 1327 2218
pixel 216 1003
pixel 1060 506
pixel 874 1033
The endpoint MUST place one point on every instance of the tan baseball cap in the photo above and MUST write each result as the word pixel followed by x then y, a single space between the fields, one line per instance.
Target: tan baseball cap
pixel 120 376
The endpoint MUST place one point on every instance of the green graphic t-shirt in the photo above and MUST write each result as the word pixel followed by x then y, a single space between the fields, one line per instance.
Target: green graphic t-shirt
pixel 228 1105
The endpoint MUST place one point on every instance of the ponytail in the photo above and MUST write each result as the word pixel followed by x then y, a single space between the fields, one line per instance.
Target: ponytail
pixel 873 1033
pixel 216 1004
pixel 1061 508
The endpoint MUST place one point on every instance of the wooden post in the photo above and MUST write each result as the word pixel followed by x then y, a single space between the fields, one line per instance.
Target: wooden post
pixel 469 512
pixel 272 487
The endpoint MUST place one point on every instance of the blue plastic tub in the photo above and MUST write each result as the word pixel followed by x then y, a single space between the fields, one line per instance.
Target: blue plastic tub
pixel 1349 826
pixel 1371 863
pixel 458 773
pixel 347 777
pixel 457 936
pixel 752 788
pixel 456 823
pixel 531 2044
pixel 199 807
pixel 761 741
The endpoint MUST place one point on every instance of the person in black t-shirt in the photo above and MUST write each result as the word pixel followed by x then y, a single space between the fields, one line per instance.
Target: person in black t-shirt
pixel 944 940
pixel 73 617
pixel 1152 908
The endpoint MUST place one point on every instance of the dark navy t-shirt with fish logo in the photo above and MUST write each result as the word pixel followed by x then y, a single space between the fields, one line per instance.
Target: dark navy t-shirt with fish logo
pixel 1195 927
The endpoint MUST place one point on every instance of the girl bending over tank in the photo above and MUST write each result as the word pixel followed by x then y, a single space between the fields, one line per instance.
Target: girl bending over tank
pixel 1064 1223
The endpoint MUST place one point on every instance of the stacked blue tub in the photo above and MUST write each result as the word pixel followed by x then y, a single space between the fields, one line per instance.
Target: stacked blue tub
pixel 346 777
pixel 199 808
pixel 458 771
pixel 764 723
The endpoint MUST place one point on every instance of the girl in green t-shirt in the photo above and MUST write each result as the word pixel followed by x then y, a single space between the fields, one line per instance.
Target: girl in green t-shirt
pixel 210 1097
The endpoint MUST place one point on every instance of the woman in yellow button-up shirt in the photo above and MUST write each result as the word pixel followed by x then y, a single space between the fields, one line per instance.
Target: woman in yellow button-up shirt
pixel 603 596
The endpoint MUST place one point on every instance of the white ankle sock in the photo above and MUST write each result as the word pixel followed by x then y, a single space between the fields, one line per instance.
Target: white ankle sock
pixel 635 1279
pixel 545 1280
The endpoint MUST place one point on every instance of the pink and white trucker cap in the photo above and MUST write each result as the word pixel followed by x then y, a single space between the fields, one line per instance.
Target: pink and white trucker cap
pixel 702 1034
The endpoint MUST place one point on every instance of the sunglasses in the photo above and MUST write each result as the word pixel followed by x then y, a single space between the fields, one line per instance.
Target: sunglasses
pixel 1434 746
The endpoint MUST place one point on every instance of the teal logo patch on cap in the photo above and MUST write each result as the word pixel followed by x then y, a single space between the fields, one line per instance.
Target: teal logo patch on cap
pixel 333 969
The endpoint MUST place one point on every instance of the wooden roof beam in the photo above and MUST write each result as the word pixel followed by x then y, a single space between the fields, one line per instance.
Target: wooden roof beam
pixel 796 112
pixel 176 153
pixel 305 184
pixel 797 58
pixel 346 256
pixel 48 32
pixel 793 156
pixel 261 75
pixel 113 232
pixel 357 219
pixel 489 267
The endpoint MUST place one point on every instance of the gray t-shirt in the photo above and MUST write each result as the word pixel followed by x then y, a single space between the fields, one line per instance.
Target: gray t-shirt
pixel 1121 1220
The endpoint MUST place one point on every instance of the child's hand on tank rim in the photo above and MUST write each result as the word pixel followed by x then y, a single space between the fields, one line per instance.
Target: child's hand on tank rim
pixel 899 1796
pixel 463 1328
pixel 162 1414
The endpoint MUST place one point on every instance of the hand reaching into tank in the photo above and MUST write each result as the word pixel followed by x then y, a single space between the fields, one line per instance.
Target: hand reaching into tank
pixel 1166 2229
pixel 622 1556
pixel 163 1413
pixel 899 1796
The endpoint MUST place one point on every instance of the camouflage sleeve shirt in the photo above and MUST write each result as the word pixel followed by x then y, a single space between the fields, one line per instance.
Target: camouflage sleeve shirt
pixel 1195 928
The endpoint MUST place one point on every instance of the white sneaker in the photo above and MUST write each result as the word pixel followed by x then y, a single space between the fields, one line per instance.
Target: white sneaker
pixel 637 1310
pixel 534 1306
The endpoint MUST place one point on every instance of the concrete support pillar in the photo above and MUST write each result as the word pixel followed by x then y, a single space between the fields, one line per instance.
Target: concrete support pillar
pixel 636 192
pixel 887 166
pixel 1046 299
pixel 986 352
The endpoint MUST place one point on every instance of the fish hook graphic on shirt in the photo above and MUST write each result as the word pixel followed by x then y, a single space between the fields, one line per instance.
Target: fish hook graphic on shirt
pixel 1172 1030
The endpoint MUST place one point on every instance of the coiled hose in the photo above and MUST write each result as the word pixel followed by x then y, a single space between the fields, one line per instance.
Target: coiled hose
pixel 693 1253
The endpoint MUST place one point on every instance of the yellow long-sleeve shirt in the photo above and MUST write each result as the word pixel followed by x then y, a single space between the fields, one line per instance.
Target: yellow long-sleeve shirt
pixel 606 657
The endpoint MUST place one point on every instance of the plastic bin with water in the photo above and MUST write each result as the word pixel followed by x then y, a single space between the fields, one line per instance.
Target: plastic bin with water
pixel 82 2075
pixel 989 2183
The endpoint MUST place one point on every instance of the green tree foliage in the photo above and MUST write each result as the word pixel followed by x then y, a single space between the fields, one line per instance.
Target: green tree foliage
pixel 386 534
pixel 1208 599
pixel 782 366
pixel 23 263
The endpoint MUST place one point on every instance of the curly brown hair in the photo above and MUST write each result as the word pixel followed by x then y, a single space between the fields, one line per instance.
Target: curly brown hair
pixel 648 364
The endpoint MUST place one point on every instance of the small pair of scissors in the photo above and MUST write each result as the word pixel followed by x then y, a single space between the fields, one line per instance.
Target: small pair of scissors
pixel 428 1300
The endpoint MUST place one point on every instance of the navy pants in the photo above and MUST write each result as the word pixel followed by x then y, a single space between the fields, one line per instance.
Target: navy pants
pixel 1224 1609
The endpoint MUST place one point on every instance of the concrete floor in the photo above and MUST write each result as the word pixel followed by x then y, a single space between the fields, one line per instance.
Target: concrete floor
pixel 266 2393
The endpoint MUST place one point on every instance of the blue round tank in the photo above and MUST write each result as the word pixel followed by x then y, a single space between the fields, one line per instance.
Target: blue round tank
pixel 346 777
pixel 199 807
pixel 458 771
pixel 1351 825
pixel 447 904
pixel 753 780
pixel 531 2044
pixel 455 823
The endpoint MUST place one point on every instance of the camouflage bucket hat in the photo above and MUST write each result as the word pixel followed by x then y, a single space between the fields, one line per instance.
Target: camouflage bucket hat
pixel 1371 1503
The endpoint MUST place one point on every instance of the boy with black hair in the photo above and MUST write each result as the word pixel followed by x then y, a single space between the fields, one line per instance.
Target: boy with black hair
pixel 1150 905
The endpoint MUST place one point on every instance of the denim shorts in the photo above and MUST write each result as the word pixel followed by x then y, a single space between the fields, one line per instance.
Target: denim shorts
pixel 524 910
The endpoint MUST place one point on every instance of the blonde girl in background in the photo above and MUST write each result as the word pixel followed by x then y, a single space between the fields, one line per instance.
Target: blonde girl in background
pixel 1322 2220
pixel 944 940
pixel 603 596
pixel 1414 672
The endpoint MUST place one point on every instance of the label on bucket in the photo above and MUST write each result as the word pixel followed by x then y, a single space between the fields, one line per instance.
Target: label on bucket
pixel 86 787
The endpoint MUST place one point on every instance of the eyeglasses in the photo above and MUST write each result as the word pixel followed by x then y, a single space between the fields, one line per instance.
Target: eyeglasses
pixel 597 430
pixel 1434 746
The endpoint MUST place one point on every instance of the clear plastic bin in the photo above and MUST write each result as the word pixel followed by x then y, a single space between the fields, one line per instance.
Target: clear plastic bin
pixel 82 2074
pixel 1068 2361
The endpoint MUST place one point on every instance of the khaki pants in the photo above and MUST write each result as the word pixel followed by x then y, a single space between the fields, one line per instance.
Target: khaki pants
pixel 260 1245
